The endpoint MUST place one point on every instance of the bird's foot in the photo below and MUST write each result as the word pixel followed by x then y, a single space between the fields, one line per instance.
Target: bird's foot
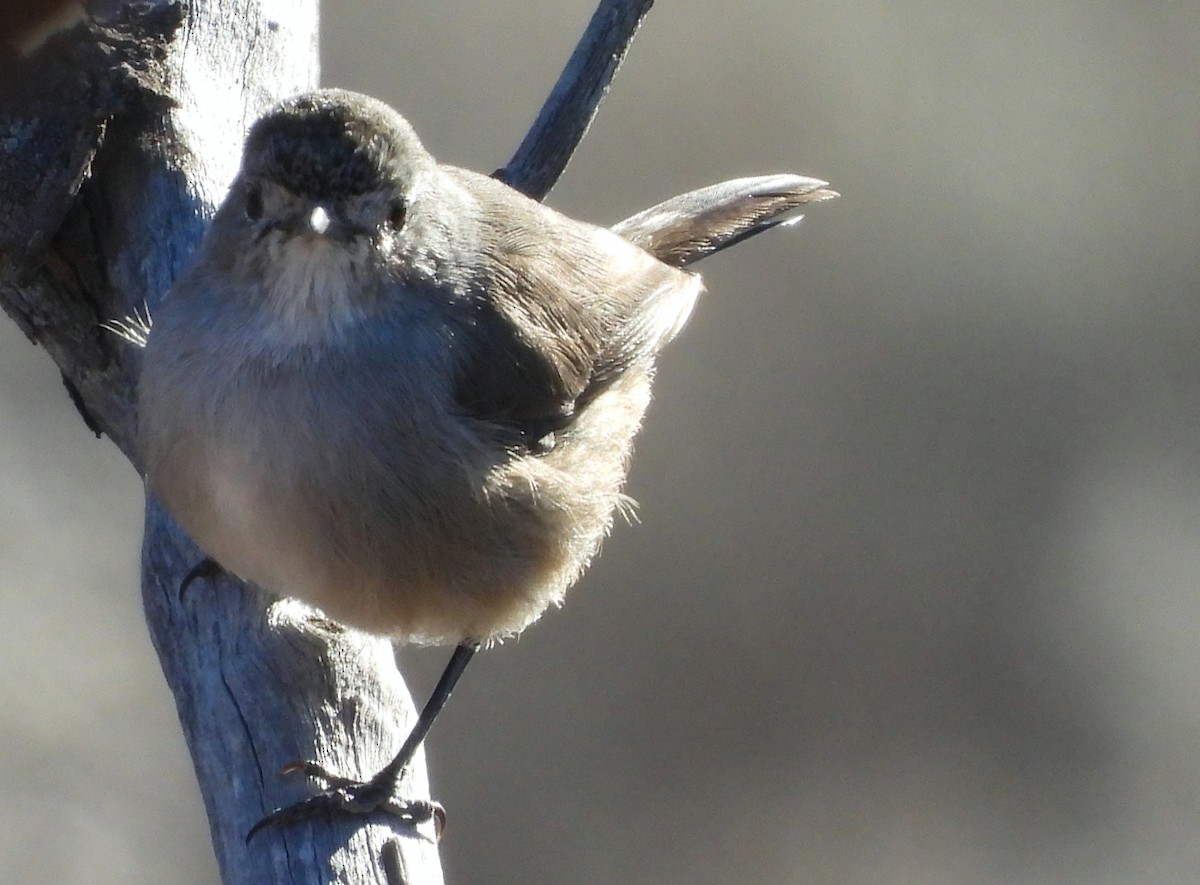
pixel 346 796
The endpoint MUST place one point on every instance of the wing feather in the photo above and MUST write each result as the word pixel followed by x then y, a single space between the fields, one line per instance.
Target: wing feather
pixel 565 309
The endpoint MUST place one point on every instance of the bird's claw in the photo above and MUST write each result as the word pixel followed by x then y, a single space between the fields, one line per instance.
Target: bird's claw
pixel 346 796
pixel 207 569
pixel 316 772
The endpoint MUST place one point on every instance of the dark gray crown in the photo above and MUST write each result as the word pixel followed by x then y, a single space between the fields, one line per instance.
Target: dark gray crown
pixel 334 142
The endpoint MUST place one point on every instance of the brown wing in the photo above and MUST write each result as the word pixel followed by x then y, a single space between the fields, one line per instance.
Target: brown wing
pixel 568 308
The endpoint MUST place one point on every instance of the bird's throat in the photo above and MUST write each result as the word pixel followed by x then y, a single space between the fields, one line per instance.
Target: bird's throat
pixel 315 289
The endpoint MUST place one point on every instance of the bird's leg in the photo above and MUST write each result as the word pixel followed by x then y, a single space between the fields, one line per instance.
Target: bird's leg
pixel 348 796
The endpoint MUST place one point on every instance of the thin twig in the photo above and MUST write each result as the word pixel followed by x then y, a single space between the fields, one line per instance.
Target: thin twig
pixel 560 126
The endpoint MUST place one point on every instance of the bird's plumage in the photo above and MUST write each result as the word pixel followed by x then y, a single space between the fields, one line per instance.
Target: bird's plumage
pixel 404 392
pixel 423 430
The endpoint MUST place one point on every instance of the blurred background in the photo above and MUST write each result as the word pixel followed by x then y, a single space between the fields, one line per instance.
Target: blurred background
pixel 915 593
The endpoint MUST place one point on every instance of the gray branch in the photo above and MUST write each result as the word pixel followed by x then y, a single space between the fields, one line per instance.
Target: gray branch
pixel 571 105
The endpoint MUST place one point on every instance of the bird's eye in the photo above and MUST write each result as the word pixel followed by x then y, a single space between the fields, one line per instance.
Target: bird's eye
pixel 397 214
pixel 254 202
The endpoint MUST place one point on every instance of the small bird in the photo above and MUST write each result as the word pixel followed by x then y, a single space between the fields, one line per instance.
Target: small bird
pixel 406 393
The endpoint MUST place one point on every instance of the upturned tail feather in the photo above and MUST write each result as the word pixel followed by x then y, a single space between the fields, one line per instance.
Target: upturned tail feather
pixel 691 226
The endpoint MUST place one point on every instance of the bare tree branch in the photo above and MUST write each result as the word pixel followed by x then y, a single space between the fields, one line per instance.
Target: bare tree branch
pixel 68 115
pixel 564 119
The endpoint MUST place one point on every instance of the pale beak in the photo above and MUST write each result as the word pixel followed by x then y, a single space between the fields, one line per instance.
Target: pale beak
pixel 319 220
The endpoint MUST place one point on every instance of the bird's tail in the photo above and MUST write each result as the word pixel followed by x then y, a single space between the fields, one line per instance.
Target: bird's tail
pixel 686 228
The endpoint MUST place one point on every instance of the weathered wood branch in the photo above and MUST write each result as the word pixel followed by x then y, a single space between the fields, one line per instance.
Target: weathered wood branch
pixel 564 119
pixel 70 119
